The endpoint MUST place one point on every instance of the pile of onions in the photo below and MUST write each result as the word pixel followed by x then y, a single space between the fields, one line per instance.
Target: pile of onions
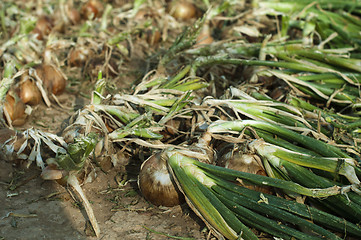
pixel 15 108
pixel 156 183
pixel 53 79
pixel 183 10
pixel 92 9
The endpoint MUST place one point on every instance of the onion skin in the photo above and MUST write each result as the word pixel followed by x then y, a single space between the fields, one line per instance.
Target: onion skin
pixel 183 10
pixel 29 92
pixel 156 184
pixel 52 79
pixel 15 109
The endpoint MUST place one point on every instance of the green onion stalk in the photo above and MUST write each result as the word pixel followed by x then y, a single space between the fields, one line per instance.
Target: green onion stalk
pixel 333 20
pixel 337 94
pixel 312 144
pixel 349 123
pixel 231 210
pixel 294 164
pixel 269 111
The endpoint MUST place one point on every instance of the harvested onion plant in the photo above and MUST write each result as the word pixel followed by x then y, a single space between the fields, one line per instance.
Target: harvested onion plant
pixel 227 207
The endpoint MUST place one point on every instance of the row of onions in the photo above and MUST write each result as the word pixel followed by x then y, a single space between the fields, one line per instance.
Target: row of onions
pixel 284 166
pixel 306 152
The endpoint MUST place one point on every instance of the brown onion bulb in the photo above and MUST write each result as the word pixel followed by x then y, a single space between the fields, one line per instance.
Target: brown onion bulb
pixel 156 184
pixel 74 16
pixel 243 162
pixel 204 36
pixel 153 36
pixel 43 27
pixel 182 10
pixel 52 172
pixel 16 110
pixel 29 92
pixel 52 79
pixel 78 56
pixel 172 126
pixel 91 10
pixel 143 14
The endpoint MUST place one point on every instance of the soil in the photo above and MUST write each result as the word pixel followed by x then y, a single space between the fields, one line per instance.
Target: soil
pixel 39 209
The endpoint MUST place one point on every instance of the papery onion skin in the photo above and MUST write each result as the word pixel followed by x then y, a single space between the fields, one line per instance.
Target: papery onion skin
pixel 156 184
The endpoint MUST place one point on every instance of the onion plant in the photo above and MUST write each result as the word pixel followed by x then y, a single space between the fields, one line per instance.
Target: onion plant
pixel 229 209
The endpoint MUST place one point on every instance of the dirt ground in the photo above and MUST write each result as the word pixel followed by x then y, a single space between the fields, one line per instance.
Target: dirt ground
pixel 39 209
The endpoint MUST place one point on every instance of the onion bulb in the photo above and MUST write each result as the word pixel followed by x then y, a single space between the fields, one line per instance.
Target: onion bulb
pixel 52 78
pixel 15 108
pixel 28 91
pixel 153 36
pixel 143 14
pixel 204 36
pixel 156 183
pixel 73 15
pixel 249 163
pixel 52 172
pixel 182 10
pixel 78 56
pixel 91 10
pixel 43 27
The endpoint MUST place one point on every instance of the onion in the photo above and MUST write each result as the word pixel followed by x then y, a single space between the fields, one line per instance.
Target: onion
pixel 172 126
pixel 243 162
pixel 153 36
pixel 74 16
pixel 91 10
pixel 52 79
pixel 43 27
pixel 15 108
pixel 28 91
pixel 52 172
pixel 156 184
pixel 182 10
pixel 77 57
pixel 204 36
